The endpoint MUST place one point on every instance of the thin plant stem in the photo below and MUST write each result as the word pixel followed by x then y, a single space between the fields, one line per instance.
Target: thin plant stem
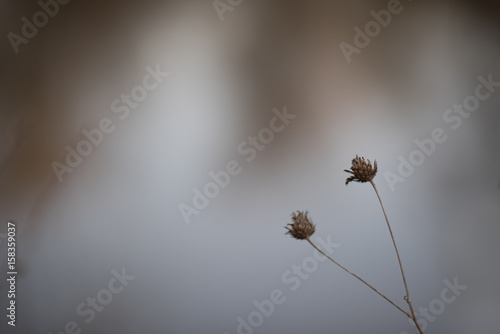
pixel 359 278
pixel 407 297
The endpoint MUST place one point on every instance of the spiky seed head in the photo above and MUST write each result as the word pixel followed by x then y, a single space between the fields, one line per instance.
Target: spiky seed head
pixel 361 170
pixel 301 227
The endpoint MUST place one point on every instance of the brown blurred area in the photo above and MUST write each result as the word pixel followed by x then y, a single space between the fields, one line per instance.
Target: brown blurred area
pixel 84 48
pixel 290 44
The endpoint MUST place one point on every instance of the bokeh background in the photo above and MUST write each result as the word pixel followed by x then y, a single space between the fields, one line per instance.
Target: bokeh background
pixel 120 207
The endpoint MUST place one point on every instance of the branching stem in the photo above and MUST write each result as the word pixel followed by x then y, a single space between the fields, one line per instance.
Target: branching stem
pixel 359 278
pixel 407 297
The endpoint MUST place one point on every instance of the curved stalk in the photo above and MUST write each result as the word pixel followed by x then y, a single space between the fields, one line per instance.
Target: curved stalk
pixel 359 278
pixel 407 297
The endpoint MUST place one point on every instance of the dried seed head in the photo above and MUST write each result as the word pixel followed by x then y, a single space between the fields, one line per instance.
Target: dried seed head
pixel 361 170
pixel 301 227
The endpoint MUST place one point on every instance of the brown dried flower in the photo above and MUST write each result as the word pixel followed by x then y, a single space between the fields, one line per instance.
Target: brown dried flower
pixel 362 170
pixel 302 227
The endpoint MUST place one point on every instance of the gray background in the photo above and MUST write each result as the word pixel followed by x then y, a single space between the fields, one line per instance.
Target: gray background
pixel 119 208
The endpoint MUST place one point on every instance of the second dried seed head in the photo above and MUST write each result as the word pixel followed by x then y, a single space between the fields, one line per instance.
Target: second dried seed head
pixel 301 227
pixel 361 170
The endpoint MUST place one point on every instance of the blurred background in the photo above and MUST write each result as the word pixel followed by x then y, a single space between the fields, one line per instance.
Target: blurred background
pixel 120 207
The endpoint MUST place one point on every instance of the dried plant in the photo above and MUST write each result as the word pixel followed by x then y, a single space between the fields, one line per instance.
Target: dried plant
pixel 302 229
pixel 361 170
